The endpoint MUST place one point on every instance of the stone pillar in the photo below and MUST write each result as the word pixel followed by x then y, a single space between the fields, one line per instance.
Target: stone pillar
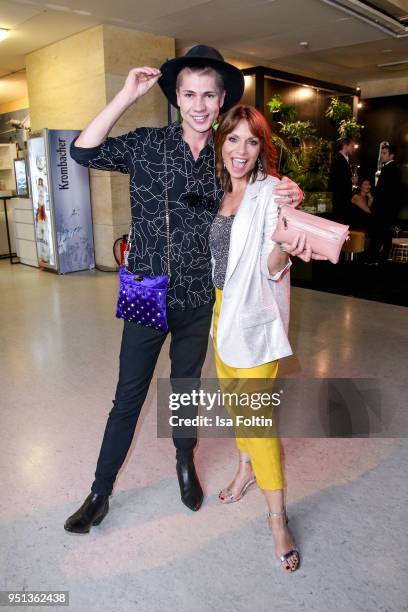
pixel 72 80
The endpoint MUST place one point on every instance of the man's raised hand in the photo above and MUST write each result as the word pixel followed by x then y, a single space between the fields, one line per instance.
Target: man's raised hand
pixel 139 81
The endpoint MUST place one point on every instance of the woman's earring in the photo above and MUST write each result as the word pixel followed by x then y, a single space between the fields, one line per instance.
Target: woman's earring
pixel 260 166
pixel 223 164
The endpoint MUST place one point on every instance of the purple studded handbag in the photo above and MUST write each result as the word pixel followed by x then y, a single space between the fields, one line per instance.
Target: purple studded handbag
pixel 142 299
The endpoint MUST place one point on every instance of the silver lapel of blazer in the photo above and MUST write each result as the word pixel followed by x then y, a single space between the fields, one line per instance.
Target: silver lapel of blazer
pixel 241 226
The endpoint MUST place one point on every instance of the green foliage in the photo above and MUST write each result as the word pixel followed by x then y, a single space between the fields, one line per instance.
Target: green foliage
pixel 309 164
pixel 338 111
pixel 341 114
pixel 309 168
pixel 349 128
pixel 289 113
pixel 315 160
pixel 275 103
pixel 298 129
pixel 318 156
pixel 288 163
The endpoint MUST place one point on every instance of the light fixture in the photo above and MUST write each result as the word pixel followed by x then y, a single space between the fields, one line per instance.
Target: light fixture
pixel 398 65
pixel 3 33
pixel 247 79
pixel 305 92
pixel 376 16
pixel 360 105
pixel 358 88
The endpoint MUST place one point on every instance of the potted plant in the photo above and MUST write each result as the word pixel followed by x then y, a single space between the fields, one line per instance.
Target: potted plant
pixel 275 104
pixel 341 114
pixel 281 111
pixel 349 128
pixel 338 111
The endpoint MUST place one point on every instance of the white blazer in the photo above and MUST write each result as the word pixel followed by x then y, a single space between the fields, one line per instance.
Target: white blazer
pixel 254 317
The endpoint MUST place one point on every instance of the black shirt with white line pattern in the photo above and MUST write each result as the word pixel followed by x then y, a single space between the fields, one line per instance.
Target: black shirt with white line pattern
pixel 140 154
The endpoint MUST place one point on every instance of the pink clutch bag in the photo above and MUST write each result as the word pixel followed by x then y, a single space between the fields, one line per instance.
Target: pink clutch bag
pixel 324 236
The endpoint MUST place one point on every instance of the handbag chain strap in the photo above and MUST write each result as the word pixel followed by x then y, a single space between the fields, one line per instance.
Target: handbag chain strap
pixel 166 203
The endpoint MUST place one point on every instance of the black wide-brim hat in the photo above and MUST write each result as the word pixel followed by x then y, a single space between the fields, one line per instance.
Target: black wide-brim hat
pixel 201 55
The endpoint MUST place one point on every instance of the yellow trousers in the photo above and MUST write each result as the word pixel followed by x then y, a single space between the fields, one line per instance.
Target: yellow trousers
pixel 265 453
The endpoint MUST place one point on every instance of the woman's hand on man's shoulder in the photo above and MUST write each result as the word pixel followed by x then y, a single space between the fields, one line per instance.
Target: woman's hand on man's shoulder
pixel 287 192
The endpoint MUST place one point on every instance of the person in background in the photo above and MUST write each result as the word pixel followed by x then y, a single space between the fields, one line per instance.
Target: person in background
pixel 251 276
pixel 340 181
pixel 388 195
pixel 361 211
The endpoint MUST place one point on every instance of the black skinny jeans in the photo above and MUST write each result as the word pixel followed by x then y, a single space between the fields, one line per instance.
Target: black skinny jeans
pixel 139 352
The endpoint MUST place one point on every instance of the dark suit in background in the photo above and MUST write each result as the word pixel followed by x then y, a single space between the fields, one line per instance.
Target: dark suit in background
pixel 388 195
pixel 341 186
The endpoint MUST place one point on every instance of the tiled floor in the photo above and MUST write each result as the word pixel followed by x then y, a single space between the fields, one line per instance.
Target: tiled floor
pixel 347 498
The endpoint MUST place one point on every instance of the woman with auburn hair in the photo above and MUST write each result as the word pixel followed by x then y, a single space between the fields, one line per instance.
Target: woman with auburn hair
pixel 251 314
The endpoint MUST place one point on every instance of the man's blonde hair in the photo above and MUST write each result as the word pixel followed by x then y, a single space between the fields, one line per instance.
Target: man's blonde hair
pixel 202 71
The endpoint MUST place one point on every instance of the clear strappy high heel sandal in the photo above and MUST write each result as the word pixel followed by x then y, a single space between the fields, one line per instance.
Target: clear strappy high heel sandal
pixel 293 552
pixel 228 496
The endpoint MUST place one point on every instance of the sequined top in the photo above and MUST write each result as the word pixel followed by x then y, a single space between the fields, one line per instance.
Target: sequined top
pixel 220 235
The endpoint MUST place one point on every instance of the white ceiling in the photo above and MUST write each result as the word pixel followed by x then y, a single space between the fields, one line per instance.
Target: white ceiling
pixel 341 48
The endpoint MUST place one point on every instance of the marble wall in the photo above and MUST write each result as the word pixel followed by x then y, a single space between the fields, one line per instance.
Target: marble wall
pixel 72 80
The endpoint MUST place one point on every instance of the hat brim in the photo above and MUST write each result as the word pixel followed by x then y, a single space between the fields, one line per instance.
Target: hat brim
pixel 234 82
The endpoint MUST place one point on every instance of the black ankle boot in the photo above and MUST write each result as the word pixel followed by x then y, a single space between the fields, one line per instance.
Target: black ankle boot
pixel 190 488
pixel 92 512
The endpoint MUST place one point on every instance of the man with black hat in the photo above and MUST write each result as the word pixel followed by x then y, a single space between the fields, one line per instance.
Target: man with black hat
pixel 201 85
